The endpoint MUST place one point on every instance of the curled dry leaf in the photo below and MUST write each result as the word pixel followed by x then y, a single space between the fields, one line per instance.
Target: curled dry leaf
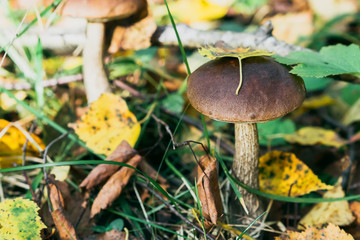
pixel 63 225
pixel 338 213
pixel 282 173
pixel 114 186
pixel 327 231
pixel 101 172
pixel 208 188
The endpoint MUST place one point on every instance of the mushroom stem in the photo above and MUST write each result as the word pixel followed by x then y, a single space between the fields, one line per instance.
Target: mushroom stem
pixel 246 165
pixel 95 78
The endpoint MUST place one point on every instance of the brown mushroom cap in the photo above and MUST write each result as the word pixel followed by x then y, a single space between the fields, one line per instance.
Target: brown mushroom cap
pixel 268 90
pixel 101 10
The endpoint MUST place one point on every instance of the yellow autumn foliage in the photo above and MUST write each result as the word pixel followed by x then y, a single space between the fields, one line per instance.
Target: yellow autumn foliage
pixel 319 232
pixel 107 123
pixel 338 213
pixel 315 135
pixel 19 219
pixel 12 140
pixel 284 174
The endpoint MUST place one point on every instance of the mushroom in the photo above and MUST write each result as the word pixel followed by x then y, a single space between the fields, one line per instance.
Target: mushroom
pixel 268 92
pixel 97 12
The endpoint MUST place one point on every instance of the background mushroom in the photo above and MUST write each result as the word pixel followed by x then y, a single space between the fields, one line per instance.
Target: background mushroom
pixel 268 92
pixel 97 12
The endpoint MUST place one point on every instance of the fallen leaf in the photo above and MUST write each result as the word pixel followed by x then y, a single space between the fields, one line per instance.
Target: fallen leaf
pixel 214 52
pixel 222 50
pixel 315 135
pixel 12 140
pixel 314 103
pixel 14 214
pixel 290 27
pixel 101 172
pixel 320 232
pixel 113 234
pixel 61 173
pixel 338 213
pixel 114 186
pixel 146 168
pixel 355 208
pixel 283 174
pixel 353 114
pixel 134 37
pixel 107 123
pixel 193 11
pixel 63 225
pixel 208 189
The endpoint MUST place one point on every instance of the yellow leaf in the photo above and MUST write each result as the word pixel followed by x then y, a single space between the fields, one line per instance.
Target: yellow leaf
pixel 9 104
pixel 338 213
pixel 314 103
pixel 19 220
pixel 190 11
pixel 353 114
pixel 282 173
pixel 320 232
pixel 239 53
pixel 61 173
pixel 219 52
pixel 315 135
pixel 13 139
pixel 107 123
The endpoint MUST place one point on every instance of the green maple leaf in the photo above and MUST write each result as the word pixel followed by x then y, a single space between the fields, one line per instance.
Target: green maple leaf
pixel 331 60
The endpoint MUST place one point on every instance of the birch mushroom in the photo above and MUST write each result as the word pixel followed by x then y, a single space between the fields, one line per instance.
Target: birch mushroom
pixel 97 12
pixel 268 92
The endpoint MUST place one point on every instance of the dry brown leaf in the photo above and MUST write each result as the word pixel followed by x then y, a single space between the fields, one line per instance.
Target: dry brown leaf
pixel 115 235
pixel 146 168
pixel 208 188
pixel 338 213
pixel 355 208
pixel 289 27
pixel 63 225
pixel 101 172
pixel 114 186
pixel 320 232
pixel 134 37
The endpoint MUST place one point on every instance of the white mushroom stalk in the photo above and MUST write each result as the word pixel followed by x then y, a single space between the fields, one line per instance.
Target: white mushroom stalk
pixel 95 78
